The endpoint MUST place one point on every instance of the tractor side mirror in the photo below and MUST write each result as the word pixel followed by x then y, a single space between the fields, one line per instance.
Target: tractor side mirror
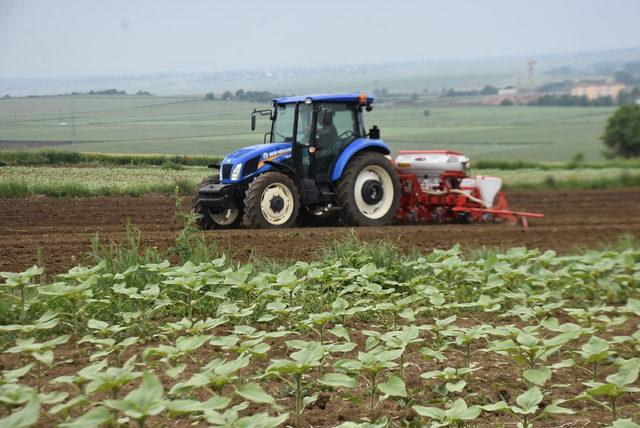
pixel 266 112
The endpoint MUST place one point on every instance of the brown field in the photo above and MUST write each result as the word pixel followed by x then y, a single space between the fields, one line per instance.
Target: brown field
pixel 62 227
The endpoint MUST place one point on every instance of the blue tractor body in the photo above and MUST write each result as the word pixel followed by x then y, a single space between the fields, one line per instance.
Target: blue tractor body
pixel 250 161
pixel 312 141
pixel 252 158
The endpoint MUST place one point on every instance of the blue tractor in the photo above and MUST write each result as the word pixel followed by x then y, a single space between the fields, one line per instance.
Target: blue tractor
pixel 317 165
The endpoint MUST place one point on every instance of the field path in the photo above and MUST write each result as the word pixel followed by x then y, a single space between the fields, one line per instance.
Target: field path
pixel 62 228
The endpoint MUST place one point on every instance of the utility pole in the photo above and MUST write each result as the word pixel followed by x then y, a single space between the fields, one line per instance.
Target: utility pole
pixel 530 64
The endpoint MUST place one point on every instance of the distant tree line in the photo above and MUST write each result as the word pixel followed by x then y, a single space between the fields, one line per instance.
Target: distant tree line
pixel 561 86
pixel 106 92
pixel 111 91
pixel 629 97
pixel 624 98
pixel 630 74
pixel 242 95
pixel 487 90
pixel 571 101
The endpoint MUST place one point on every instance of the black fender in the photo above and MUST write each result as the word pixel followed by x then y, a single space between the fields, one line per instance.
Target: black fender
pixel 289 172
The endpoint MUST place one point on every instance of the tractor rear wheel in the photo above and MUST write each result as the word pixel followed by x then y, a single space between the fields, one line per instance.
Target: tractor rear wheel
pixel 271 201
pixel 369 190
pixel 226 219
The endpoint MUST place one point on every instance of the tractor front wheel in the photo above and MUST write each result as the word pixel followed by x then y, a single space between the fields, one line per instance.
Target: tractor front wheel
pixel 369 190
pixel 226 219
pixel 271 201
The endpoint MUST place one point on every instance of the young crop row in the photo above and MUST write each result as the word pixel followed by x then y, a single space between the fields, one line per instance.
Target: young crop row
pixel 21 181
pixel 65 157
pixel 521 337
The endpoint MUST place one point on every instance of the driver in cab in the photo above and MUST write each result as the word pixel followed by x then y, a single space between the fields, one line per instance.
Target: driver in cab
pixel 327 132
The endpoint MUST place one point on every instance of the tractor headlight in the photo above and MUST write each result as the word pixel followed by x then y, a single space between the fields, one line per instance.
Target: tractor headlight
pixel 235 174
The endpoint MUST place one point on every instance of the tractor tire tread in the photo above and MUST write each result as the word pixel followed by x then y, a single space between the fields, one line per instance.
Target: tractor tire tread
pixel 252 211
pixel 350 213
pixel 204 221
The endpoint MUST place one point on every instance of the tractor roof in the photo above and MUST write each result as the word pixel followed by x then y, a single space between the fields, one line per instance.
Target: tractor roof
pixel 336 98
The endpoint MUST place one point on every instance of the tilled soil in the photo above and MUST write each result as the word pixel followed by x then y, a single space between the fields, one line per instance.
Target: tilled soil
pixel 58 231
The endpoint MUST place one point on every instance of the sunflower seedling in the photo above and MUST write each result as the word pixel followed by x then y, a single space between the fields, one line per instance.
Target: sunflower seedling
pixel 300 362
pixel 143 402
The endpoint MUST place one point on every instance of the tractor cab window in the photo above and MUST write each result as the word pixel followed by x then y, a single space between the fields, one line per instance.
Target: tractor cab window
pixel 336 124
pixel 337 128
pixel 283 125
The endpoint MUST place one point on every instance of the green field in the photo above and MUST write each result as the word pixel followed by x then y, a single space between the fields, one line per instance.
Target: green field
pixel 187 125
pixel 21 181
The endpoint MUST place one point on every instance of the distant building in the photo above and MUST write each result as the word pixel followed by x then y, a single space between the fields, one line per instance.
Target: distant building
pixel 509 90
pixel 597 89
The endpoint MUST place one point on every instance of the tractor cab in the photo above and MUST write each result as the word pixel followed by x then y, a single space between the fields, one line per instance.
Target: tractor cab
pixel 313 149
pixel 319 128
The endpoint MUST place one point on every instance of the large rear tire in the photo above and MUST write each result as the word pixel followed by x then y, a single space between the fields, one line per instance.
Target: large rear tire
pixel 271 201
pixel 208 220
pixel 369 190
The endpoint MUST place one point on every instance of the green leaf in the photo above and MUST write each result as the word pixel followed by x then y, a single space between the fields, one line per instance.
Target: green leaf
pixel 254 392
pixel 455 387
pixel 603 389
pixel 527 340
pixel 92 419
pixel 340 331
pixel 627 373
pixel 555 409
pixel 495 407
pixel 569 362
pixel 23 418
pixel 394 386
pixel 624 423
pixel 430 412
pixel 309 400
pixel 174 372
pixel 97 324
pixel 460 411
pixel 337 380
pixel 45 357
pixel 14 375
pixel 64 407
pixel 261 420
pixel 530 399
pixel 633 306
pixel 144 401
pixel 538 376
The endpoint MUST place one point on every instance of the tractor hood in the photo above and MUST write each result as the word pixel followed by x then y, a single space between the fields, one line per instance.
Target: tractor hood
pixel 245 163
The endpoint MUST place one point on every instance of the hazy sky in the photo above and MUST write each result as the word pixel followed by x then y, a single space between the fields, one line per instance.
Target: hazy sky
pixel 50 38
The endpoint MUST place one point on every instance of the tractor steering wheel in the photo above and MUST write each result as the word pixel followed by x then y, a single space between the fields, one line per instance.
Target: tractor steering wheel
pixel 346 134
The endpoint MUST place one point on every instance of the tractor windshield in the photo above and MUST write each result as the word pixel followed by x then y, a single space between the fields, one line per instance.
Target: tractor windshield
pixel 283 125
